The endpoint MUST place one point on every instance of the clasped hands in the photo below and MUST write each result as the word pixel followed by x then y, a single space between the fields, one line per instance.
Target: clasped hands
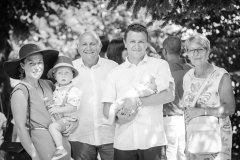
pixel 193 112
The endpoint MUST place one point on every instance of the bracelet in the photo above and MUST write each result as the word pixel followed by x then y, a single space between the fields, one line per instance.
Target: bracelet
pixel 205 111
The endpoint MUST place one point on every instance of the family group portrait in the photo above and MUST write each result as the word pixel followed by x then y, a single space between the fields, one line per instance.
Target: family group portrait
pixel 120 80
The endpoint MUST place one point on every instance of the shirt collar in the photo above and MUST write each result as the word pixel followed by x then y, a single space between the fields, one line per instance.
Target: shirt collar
pixel 129 64
pixel 99 63
pixel 63 87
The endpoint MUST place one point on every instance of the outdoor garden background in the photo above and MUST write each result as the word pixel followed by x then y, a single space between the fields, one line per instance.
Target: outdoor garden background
pixel 57 24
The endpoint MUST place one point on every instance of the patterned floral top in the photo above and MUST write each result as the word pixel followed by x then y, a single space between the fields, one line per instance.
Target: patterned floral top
pixel 210 97
pixel 73 98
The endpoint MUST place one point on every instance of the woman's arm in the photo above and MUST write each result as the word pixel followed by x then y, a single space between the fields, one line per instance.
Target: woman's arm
pixel 72 127
pixel 19 110
pixel 227 100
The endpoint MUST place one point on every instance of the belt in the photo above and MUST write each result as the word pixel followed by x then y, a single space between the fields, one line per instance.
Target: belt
pixel 37 128
pixel 172 115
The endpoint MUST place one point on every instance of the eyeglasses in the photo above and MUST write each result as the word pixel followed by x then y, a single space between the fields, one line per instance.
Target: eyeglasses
pixel 194 51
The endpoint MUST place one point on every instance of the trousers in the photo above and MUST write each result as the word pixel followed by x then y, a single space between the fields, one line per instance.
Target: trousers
pixel 175 131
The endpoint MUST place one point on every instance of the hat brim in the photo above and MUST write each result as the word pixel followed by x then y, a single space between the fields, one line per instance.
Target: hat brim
pixel 49 57
pixel 51 71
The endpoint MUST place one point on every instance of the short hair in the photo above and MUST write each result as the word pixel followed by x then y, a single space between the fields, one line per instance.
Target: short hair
pixel 115 49
pixel 136 27
pixel 199 39
pixel 172 44
pixel 94 34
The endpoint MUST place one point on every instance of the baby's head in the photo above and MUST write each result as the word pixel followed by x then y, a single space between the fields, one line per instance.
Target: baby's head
pixel 63 71
pixel 63 75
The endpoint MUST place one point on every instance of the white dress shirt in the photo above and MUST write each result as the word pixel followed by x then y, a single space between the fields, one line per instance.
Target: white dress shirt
pixel 146 130
pixel 91 82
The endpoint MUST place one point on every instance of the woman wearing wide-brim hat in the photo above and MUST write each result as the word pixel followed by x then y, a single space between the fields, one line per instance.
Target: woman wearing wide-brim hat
pixel 27 100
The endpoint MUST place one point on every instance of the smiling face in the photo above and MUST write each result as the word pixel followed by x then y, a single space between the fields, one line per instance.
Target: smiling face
pixel 136 45
pixel 63 75
pixel 33 66
pixel 197 54
pixel 89 47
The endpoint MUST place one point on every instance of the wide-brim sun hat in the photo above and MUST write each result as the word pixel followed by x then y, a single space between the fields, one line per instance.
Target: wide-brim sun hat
pixel 62 61
pixel 49 57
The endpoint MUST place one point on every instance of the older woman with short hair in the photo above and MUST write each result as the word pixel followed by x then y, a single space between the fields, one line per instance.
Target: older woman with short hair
pixel 208 99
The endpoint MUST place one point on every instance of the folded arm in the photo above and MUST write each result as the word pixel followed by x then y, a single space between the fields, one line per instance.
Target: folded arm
pixel 162 97
pixel 109 110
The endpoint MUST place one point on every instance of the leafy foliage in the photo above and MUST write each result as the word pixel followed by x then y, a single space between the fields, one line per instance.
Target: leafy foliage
pixel 218 19
pixel 57 24
pixel 17 16
pixel 61 29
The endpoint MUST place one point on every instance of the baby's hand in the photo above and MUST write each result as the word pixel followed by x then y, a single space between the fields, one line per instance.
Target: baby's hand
pixel 54 110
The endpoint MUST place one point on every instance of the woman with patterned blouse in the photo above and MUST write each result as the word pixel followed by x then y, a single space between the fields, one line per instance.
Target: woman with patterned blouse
pixel 216 99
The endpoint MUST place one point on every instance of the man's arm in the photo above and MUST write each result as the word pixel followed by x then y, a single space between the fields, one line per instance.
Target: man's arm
pixel 162 97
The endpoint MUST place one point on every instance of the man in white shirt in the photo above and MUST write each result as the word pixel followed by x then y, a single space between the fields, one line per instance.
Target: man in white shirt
pixel 144 137
pixel 91 137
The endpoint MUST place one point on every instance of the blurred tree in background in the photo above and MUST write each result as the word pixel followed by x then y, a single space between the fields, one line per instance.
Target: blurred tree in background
pixel 57 24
